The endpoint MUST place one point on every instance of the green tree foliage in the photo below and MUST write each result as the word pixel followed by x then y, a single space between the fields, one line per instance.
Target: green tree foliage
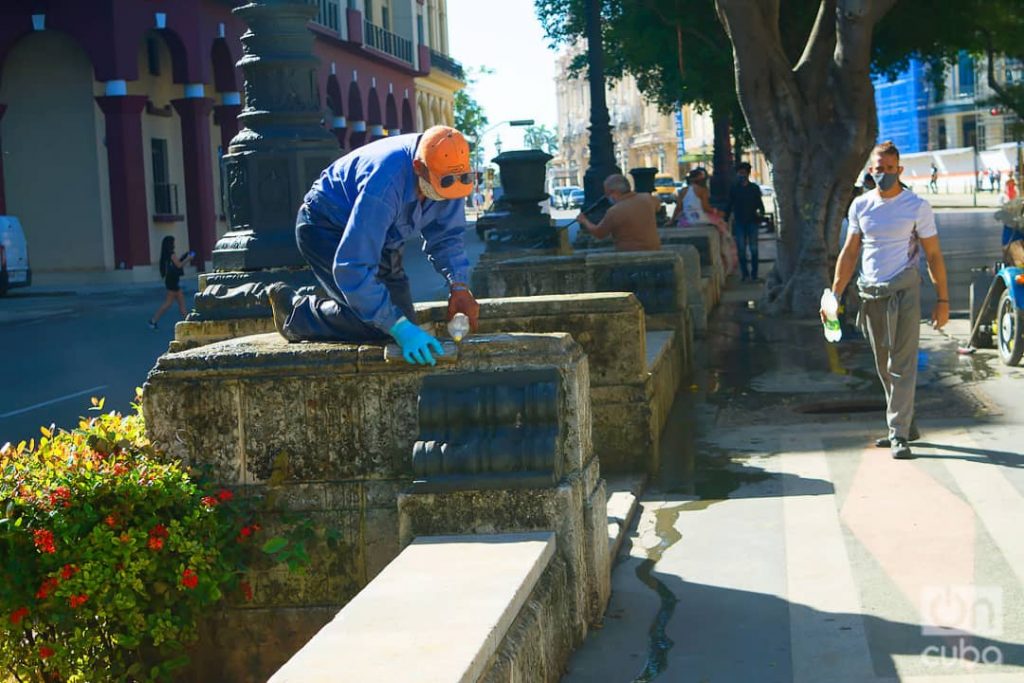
pixel 937 33
pixel 541 137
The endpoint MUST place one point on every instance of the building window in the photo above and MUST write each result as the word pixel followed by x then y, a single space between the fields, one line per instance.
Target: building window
pixel 969 131
pixel 369 11
pixel 153 55
pixel 965 75
pixel 165 195
pixel 385 18
pixel 419 29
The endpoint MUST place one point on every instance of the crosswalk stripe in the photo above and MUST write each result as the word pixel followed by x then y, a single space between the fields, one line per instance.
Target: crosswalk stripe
pixel 819 577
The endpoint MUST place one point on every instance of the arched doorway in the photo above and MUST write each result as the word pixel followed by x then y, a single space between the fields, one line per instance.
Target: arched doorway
pixel 337 124
pixel 391 116
pixel 47 85
pixel 357 123
pixel 408 124
pixel 374 121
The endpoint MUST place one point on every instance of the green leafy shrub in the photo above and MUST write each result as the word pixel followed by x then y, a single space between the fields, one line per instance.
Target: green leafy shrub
pixel 110 554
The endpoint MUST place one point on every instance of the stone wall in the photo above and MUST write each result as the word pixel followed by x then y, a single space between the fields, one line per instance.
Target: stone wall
pixel 626 389
pixel 328 431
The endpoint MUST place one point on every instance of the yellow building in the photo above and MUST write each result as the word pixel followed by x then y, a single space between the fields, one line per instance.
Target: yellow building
pixel 435 92
pixel 643 135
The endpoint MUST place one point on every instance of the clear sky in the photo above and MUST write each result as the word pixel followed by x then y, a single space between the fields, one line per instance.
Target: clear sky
pixel 506 36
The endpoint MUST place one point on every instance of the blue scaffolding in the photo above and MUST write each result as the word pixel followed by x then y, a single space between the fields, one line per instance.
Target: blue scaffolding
pixel 903 108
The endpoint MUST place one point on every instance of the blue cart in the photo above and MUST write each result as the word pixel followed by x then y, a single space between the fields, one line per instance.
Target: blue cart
pixel 998 320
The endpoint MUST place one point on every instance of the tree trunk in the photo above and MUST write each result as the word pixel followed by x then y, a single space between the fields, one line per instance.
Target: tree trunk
pixel 815 123
pixel 722 162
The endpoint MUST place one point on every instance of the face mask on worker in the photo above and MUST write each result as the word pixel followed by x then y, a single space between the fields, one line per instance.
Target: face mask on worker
pixel 428 191
pixel 885 181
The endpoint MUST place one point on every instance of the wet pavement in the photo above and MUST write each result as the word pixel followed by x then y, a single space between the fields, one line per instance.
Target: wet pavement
pixel 778 544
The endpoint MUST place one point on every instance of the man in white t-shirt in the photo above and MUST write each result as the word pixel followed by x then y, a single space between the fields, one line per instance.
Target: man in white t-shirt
pixel 890 226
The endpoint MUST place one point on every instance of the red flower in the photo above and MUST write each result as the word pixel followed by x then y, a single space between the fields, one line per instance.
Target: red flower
pixel 61 495
pixel 159 531
pixel 224 495
pixel 76 601
pixel 189 579
pixel 68 571
pixel 45 652
pixel 46 588
pixel 110 521
pixel 246 590
pixel 43 539
pixel 209 501
pixel 19 614
pixel 155 543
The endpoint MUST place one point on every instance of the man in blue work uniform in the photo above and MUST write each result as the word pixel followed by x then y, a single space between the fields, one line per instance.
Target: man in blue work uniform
pixel 352 227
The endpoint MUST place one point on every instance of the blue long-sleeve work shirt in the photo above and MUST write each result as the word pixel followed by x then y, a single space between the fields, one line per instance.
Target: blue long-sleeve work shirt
pixel 370 194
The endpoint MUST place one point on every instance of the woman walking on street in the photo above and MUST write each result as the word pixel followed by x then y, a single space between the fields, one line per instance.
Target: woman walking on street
pixel 171 268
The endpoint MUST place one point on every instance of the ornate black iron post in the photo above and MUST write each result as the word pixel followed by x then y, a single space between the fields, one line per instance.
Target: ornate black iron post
pixel 602 151
pixel 271 163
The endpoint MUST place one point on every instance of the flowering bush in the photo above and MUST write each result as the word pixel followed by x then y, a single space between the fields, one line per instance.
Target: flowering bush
pixel 111 554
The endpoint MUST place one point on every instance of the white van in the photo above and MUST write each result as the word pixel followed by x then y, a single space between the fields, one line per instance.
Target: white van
pixel 14 266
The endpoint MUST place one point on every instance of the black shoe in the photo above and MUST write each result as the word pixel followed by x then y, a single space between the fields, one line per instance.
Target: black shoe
pixel 900 449
pixel 282 301
pixel 884 441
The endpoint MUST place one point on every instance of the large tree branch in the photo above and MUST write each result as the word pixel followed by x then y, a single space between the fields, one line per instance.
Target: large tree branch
pixel 1002 93
pixel 812 69
pixel 764 76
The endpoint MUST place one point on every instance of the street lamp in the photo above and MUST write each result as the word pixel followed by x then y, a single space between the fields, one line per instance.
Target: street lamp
pixel 477 142
pixel 602 155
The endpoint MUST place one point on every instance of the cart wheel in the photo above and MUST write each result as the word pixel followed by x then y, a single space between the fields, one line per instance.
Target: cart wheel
pixel 983 340
pixel 1011 330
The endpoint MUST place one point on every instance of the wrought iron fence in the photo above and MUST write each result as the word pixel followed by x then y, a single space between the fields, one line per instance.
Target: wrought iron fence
pixel 447 64
pixel 390 43
pixel 329 14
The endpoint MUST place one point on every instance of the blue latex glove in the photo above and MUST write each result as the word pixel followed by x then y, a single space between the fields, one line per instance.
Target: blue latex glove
pixel 416 344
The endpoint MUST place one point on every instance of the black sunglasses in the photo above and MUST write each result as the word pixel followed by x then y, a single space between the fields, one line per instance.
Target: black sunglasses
pixel 447 181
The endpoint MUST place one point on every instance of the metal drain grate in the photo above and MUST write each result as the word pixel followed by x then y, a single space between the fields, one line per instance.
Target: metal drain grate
pixel 842 407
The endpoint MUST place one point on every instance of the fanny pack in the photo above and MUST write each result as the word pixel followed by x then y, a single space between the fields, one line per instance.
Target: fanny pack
pixel 893 290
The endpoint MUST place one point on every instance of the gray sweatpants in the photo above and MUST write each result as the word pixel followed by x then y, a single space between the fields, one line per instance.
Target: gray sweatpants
pixel 893 326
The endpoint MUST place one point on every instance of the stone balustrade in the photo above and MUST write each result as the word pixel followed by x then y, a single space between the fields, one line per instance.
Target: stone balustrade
pixel 500 432
pixel 634 374
pixel 657 279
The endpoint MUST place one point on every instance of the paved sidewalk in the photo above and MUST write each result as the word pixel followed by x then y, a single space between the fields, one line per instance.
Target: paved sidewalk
pixel 782 546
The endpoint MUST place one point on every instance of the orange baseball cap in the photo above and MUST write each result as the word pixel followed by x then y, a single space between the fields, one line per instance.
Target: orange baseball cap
pixel 446 154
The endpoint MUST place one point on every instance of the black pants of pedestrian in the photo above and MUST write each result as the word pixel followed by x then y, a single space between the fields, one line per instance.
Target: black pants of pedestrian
pixel 332 319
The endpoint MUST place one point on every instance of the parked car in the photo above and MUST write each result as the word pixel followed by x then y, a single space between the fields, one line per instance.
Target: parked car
pixel 14 265
pixel 575 199
pixel 560 196
pixel 665 188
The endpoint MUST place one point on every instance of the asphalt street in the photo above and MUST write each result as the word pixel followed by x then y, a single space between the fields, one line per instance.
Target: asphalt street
pixel 62 347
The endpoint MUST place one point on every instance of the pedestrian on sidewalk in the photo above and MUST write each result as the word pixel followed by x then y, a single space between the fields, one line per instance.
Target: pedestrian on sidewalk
pixel 631 221
pixel 933 183
pixel 747 210
pixel 352 227
pixel 693 207
pixel 891 226
pixel 171 269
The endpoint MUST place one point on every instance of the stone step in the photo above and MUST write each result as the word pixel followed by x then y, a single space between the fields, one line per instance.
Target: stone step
pixel 623 502
pixel 437 613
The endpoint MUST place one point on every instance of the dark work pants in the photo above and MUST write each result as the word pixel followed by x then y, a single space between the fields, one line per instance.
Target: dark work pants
pixel 331 319
pixel 745 235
